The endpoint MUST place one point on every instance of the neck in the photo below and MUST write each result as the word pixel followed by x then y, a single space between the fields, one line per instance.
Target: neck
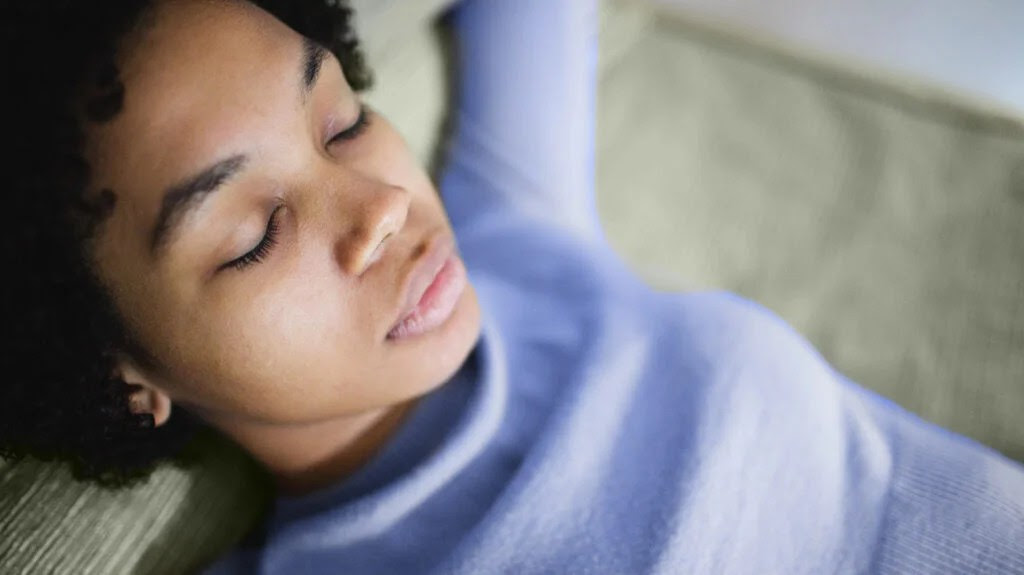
pixel 304 458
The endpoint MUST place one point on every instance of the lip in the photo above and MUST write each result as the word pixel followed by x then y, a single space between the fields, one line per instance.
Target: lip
pixel 424 272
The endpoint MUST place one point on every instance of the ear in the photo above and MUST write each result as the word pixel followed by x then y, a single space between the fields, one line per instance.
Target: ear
pixel 146 396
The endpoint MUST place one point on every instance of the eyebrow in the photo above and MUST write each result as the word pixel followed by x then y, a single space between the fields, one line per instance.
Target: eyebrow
pixel 313 56
pixel 185 198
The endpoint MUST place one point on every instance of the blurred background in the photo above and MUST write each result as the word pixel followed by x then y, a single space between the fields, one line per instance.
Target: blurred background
pixel 971 46
pixel 857 166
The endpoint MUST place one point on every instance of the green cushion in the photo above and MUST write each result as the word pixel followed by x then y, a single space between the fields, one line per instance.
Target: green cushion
pixel 177 520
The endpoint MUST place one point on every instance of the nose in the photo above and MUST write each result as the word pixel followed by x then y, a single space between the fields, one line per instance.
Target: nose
pixel 378 215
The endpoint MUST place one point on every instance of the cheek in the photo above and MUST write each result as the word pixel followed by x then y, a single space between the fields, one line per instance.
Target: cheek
pixel 306 313
pixel 254 353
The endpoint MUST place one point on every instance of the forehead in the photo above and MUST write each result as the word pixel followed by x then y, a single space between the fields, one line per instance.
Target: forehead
pixel 201 78
pixel 199 36
pixel 194 73
pixel 193 55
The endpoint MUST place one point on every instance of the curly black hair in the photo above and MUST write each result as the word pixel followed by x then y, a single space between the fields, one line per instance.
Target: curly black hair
pixel 61 398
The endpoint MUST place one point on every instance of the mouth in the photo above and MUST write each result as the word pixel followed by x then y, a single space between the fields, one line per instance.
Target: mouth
pixel 431 290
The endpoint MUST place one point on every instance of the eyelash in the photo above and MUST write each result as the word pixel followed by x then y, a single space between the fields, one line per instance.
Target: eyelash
pixel 262 249
pixel 353 131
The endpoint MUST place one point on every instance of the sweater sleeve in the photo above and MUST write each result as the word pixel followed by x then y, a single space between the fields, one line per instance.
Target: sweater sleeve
pixel 955 506
pixel 524 134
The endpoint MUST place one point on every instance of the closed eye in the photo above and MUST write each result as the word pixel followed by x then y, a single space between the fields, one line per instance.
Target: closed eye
pixel 353 131
pixel 262 249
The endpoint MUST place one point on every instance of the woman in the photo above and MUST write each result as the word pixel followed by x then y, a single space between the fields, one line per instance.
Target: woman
pixel 213 229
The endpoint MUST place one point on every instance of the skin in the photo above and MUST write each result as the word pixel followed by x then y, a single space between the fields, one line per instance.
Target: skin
pixel 288 356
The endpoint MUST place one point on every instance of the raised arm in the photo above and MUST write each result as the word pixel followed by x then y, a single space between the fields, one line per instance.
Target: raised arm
pixel 524 136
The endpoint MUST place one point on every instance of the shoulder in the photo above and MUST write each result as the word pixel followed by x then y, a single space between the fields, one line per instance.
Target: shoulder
pixel 954 505
pixel 743 334
pixel 943 503
pixel 731 315
pixel 756 378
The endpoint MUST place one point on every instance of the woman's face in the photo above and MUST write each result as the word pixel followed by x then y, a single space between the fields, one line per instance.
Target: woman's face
pixel 259 244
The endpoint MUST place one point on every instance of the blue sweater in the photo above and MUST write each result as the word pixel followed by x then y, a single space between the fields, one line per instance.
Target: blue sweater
pixel 602 427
